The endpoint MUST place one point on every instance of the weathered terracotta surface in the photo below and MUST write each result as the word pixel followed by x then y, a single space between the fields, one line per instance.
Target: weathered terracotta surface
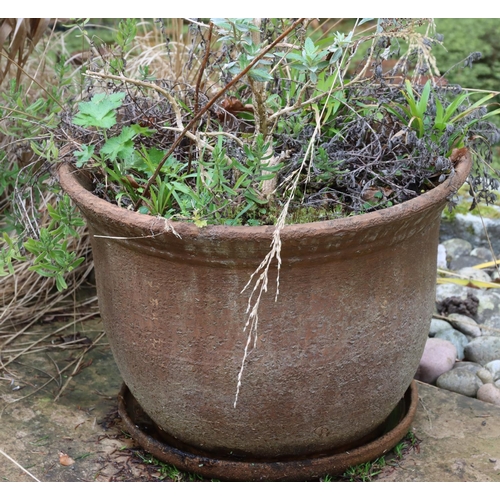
pixel 142 430
pixel 335 354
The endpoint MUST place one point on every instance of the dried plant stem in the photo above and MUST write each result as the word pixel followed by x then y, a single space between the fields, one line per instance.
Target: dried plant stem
pixel 33 80
pixel 262 272
pixel 20 466
pixel 78 361
pixel 202 68
pixel 259 97
pixel 486 233
pixel 27 349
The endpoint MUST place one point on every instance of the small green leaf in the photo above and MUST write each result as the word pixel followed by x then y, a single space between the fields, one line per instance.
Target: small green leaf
pixel 84 155
pixel 61 283
pixel 260 75
pixel 251 195
pixel 99 111
pixel 309 47
pixel 144 131
pixel 121 146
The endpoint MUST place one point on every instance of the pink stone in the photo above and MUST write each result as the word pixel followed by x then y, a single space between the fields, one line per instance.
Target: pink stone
pixel 489 393
pixel 439 357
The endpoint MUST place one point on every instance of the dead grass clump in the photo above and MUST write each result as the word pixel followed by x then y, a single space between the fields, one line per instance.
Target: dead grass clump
pixel 28 53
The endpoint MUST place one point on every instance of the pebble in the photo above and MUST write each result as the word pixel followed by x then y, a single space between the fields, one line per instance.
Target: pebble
pixel 438 326
pixel 483 350
pixel 458 339
pixel 439 357
pixel 462 354
pixel 471 227
pixel 485 376
pixel 464 261
pixel 450 290
pixel 482 253
pixel 465 324
pixel 489 393
pixel 492 325
pixel 494 368
pixel 489 306
pixel 469 365
pixel 456 247
pixel 472 273
pixel 441 257
pixel 460 380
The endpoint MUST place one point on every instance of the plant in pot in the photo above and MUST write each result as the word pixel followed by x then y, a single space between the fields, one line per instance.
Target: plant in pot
pixel 275 156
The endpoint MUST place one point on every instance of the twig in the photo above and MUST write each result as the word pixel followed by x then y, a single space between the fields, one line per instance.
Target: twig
pixel 20 466
pixel 7 363
pixel 76 369
pixel 226 134
pixel 58 371
pixel 3 54
pixel 202 67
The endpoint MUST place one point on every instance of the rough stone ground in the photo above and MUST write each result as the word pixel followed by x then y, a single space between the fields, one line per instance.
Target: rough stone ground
pixel 459 437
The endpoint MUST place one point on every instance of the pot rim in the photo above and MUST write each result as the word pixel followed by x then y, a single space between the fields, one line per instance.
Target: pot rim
pixel 122 216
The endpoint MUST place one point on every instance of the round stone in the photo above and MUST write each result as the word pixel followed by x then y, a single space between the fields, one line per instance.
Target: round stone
pixel 483 350
pixel 494 368
pixel 457 247
pixel 489 393
pixel 438 326
pixel 471 273
pixel 482 253
pixel 485 376
pixel 441 257
pixel 460 380
pixel 488 310
pixel 449 290
pixel 458 339
pixel 464 324
pixel 491 326
pixel 439 357
pixel 464 261
pixel 468 365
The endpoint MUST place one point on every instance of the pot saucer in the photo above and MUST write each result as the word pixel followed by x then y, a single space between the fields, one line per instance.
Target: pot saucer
pixel 185 458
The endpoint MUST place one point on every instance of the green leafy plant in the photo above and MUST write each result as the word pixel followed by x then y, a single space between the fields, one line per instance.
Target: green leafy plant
pixel 100 111
pixel 49 250
pixel 311 60
pixel 443 122
pixel 290 133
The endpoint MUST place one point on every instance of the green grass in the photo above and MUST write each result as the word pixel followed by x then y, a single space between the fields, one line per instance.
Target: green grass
pixel 368 471
pixel 364 472
pixel 167 471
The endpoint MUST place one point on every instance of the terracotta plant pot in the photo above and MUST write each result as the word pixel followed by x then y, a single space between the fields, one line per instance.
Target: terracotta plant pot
pixel 335 354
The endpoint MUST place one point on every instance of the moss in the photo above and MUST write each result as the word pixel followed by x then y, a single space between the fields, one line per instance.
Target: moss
pixel 482 209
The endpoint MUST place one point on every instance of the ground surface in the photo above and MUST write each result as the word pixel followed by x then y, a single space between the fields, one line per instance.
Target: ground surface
pixel 458 437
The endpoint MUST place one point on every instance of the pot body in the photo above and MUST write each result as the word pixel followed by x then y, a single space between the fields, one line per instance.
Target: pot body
pixel 335 352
